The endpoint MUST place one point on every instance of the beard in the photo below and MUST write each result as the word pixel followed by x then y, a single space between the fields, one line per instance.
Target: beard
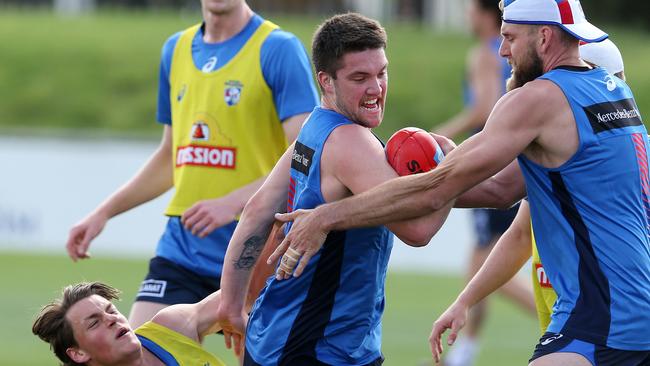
pixel 528 70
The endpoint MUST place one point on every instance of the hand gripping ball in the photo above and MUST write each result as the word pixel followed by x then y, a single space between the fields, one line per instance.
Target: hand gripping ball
pixel 412 150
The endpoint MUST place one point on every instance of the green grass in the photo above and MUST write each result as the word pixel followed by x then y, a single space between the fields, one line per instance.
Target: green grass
pixel 100 71
pixel 413 303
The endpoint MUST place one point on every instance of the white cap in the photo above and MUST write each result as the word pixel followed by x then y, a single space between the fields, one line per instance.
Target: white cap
pixel 567 14
pixel 604 54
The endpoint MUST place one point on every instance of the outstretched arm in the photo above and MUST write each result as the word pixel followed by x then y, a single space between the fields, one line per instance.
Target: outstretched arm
pixel 508 132
pixel 501 191
pixel 153 179
pixel 245 247
pixel 511 252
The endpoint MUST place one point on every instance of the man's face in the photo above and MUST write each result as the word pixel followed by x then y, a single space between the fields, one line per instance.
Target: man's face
pixel 102 333
pixel 359 91
pixel 519 48
pixel 219 7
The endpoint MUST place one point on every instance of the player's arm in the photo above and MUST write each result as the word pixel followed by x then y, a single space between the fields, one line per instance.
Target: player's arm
pixel 487 84
pixel 512 126
pixel 198 320
pixel 510 253
pixel 245 247
pixel 342 159
pixel 152 180
pixel 501 191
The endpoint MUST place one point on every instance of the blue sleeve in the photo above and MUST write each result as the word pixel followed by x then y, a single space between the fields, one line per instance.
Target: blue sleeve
pixel 287 71
pixel 164 111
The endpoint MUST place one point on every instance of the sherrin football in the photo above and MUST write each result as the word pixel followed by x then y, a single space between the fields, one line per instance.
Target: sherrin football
pixel 413 150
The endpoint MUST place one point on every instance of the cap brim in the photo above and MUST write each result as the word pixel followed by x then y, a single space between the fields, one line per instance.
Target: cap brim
pixel 585 31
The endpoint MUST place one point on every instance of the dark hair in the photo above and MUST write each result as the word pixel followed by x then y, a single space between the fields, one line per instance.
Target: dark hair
pixel 341 34
pixel 491 6
pixel 51 324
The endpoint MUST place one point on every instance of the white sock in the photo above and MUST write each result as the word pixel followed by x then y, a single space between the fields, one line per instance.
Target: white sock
pixel 463 352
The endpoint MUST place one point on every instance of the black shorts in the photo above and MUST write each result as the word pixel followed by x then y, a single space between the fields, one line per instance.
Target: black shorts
pixel 168 283
pixel 489 224
pixel 597 355
pixel 303 361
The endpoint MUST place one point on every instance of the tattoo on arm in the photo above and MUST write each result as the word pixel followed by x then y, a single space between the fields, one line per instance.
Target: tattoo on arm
pixel 252 248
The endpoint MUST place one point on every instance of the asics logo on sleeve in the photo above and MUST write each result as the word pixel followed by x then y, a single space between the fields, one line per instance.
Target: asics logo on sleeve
pixel 548 340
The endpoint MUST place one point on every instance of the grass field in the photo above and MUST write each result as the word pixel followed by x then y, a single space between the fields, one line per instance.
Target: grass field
pixel 413 303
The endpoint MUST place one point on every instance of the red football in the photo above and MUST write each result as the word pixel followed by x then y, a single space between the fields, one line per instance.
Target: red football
pixel 413 150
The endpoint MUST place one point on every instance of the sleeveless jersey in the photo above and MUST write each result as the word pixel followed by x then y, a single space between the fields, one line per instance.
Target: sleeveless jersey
pixel 332 312
pixel 590 215
pixel 173 348
pixel 226 132
pixel 545 296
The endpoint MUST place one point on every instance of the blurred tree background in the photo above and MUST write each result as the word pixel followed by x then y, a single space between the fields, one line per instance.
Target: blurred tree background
pixel 97 70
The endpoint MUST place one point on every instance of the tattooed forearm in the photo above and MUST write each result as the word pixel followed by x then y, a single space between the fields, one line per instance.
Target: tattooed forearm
pixel 252 248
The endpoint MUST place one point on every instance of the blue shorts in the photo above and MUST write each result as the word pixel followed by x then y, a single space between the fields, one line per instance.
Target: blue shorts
pixel 302 360
pixel 489 224
pixel 168 283
pixel 596 354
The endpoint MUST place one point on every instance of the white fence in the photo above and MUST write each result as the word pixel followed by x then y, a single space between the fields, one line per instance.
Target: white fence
pixel 49 184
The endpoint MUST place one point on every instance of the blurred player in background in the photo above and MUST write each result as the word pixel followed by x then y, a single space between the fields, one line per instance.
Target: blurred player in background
pixel 485 83
pixel 332 314
pixel 233 90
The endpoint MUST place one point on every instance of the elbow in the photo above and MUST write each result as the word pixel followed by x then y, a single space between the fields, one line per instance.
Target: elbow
pixel 416 235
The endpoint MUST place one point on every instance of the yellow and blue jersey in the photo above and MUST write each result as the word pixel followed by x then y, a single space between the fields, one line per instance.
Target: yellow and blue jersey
pixel 225 103
pixel 173 348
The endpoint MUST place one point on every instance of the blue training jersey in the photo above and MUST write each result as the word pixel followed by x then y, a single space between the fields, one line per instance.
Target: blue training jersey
pixel 332 312
pixel 591 215
pixel 286 70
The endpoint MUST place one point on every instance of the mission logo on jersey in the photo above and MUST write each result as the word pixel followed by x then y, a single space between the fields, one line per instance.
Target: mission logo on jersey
pixel 205 155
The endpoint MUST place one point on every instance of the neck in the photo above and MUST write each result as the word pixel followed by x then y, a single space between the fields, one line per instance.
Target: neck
pixel 327 102
pixel 564 57
pixel 220 27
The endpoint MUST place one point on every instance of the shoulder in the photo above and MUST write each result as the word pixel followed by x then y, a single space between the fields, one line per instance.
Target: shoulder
pixel 281 42
pixel 179 318
pixel 351 141
pixel 529 103
pixel 171 41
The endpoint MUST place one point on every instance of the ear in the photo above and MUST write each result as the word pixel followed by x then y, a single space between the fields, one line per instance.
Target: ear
pixel 325 80
pixel 77 355
pixel 545 34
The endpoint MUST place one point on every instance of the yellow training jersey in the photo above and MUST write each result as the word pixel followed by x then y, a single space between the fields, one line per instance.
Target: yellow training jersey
pixel 174 348
pixel 545 296
pixel 225 128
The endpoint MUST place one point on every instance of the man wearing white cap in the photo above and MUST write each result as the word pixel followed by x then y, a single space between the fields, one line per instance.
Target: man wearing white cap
pixel 583 150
